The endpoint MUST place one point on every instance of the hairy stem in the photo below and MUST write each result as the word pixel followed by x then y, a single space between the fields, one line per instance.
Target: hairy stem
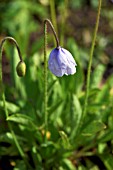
pixel 45 79
pixel 53 14
pixel 90 59
pixel 15 43
pixel 54 32
pixel 45 69
pixel 3 94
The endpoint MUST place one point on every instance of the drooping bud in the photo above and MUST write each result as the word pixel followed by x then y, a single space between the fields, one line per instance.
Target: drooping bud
pixel 21 69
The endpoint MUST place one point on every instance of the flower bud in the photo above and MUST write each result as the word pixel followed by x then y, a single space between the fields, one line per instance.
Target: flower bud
pixel 21 69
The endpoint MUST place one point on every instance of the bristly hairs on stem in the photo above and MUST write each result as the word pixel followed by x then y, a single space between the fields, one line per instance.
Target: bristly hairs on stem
pixel 16 44
pixel 90 59
pixel 54 32
pixel 3 96
pixel 47 21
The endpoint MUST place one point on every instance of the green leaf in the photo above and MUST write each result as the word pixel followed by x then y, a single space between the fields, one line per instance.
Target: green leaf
pixel 93 127
pixel 104 94
pixel 67 165
pixel 81 167
pixel 97 76
pixel 51 85
pixel 55 106
pixel 7 137
pixel 36 158
pixel 10 150
pixel 76 115
pixel 107 136
pixel 20 165
pixel 23 120
pixel 10 106
pixel 47 150
pixel 64 140
pixel 95 107
pixel 27 127
pixel 107 159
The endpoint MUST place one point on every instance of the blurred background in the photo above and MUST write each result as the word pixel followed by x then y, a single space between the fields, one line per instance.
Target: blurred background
pixel 74 22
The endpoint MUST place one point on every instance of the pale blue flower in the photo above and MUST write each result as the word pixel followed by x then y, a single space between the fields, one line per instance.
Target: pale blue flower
pixel 61 62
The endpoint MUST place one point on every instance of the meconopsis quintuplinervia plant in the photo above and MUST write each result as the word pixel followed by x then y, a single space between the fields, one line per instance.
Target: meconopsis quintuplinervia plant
pixel 61 61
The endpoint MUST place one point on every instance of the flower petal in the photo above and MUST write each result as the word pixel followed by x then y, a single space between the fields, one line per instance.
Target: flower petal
pixel 61 62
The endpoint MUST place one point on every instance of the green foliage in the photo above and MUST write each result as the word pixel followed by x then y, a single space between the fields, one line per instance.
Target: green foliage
pixel 72 143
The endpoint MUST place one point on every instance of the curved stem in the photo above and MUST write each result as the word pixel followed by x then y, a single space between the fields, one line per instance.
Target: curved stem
pixel 16 44
pixel 54 32
pixel 53 14
pixel 90 59
pixel 3 94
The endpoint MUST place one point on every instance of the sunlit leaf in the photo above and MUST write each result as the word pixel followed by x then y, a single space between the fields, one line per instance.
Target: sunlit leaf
pixel 10 106
pixel 64 140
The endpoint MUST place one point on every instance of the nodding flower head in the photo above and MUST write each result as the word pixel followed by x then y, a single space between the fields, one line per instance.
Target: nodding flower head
pixel 21 69
pixel 61 62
